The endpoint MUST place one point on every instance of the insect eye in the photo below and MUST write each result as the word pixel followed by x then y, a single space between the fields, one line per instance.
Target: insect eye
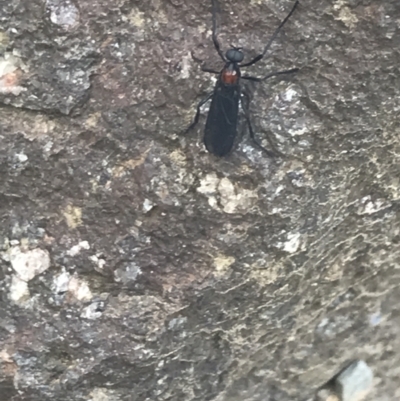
pixel 234 55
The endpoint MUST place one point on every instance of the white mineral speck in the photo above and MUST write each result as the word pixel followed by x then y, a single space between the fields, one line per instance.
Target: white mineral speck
pixel 77 248
pixel 234 200
pixel 29 264
pixel 127 273
pixel 79 289
pixel 208 185
pixel 92 311
pixel 289 94
pixel 18 289
pixel 147 205
pixel 292 244
pixel 63 13
pixel 226 188
pixel 22 158
pixel 61 282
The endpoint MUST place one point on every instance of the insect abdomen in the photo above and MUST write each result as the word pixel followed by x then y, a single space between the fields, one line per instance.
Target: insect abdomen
pixel 221 125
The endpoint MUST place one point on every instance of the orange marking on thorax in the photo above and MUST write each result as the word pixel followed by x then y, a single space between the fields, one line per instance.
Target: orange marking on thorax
pixel 229 77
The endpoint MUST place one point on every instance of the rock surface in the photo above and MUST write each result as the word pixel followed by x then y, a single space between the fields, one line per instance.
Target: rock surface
pixel 147 269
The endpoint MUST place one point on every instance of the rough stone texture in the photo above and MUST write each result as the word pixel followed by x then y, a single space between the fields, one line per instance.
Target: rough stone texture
pixel 175 275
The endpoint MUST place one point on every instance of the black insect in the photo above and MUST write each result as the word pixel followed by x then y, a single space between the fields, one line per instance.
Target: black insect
pixel 221 125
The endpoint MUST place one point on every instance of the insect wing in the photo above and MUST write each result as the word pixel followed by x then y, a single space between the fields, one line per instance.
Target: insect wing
pixel 221 125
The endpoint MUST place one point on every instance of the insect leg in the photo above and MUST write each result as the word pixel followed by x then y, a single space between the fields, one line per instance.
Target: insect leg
pixel 215 11
pixel 246 109
pixel 273 37
pixel 209 70
pixel 272 74
pixel 197 116
pixel 205 69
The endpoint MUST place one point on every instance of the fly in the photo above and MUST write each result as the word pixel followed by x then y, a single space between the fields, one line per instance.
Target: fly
pixel 221 125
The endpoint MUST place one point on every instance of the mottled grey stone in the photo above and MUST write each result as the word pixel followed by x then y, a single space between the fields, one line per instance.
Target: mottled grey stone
pixel 172 274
